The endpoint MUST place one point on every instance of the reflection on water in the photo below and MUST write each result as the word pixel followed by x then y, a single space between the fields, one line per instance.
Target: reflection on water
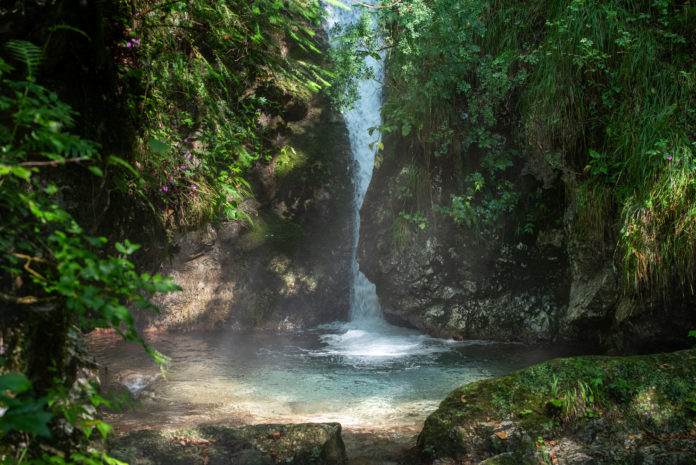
pixel 388 379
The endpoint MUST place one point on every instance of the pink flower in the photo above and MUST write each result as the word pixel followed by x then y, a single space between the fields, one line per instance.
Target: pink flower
pixel 193 186
pixel 183 167
pixel 186 141
pixel 669 158
pixel 165 188
pixel 187 155
pixel 171 180
pixel 129 45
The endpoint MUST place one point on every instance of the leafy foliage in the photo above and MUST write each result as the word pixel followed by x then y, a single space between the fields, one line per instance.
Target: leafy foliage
pixel 196 79
pixel 50 267
pixel 203 73
pixel 603 92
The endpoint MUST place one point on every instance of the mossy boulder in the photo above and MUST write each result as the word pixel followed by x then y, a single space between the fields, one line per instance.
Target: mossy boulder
pixel 599 410
pixel 303 444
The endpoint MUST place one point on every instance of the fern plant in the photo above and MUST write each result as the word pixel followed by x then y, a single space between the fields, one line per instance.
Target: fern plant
pixel 28 54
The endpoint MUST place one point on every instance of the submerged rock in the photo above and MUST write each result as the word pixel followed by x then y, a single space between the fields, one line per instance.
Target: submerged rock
pixel 304 444
pixel 584 410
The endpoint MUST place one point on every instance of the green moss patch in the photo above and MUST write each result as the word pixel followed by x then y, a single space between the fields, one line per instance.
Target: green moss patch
pixel 615 406
pixel 289 160
pixel 270 229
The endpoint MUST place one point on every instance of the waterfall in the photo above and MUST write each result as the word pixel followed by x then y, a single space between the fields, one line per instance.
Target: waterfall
pixel 368 339
pixel 364 305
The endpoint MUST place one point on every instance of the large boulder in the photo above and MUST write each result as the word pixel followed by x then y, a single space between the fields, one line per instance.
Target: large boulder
pixel 302 444
pixel 584 410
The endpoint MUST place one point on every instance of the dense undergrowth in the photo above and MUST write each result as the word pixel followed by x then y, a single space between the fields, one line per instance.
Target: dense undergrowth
pixel 600 93
pixel 169 97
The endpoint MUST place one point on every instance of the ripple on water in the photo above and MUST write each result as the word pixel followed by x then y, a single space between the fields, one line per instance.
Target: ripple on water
pixel 358 377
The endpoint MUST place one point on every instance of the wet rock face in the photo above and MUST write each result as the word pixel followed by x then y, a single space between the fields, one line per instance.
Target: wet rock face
pixel 451 285
pixel 288 268
pixel 552 285
pixel 302 444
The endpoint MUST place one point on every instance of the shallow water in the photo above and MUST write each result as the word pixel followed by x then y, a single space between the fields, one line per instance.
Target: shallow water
pixel 380 380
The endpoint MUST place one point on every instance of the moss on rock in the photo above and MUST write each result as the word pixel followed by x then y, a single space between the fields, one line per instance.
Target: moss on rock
pixel 610 409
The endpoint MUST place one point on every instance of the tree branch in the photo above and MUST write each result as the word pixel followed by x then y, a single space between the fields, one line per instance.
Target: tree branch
pixel 52 162
pixel 30 259
pixel 24 300
pixel 377 7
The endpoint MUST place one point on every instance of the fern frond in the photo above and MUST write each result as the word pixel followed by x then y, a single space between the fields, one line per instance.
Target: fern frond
pixel 27 53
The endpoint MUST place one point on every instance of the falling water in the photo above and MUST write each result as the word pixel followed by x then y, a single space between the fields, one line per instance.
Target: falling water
pixel 364 305
pixel 365 374
pixel 368 336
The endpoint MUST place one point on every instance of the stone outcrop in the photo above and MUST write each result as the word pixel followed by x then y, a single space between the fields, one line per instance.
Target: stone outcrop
pixel 546 284
pixel 302 444
pixel 286 268
pixel 585 410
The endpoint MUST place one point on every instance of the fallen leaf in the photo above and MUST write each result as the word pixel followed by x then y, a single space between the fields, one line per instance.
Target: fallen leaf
pixel 502 434
pixel 553 443
pixel 463 398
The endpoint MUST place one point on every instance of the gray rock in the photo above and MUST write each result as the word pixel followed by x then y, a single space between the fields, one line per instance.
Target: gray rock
pixel 303 444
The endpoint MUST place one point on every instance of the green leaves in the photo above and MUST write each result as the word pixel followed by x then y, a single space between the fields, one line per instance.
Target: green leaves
pixel 127 247
pixel 21 413
pixel 158 147
pixel 27 53
pixel 15 382
pixel 50 257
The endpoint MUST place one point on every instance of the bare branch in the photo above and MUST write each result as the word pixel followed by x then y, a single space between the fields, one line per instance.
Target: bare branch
pixel 30 259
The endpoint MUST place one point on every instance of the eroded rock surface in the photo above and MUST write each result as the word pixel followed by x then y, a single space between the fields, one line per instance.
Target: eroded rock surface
pixel 548 283
pixel 286 269
pixel 302 444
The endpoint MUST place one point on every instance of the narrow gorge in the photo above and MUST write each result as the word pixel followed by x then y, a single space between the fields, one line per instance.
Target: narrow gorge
pixel 325 232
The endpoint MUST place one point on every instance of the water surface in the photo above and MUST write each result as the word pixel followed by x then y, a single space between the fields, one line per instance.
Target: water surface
pixel 386 380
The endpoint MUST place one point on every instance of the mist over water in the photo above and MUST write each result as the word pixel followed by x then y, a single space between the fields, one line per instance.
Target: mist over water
pixel 366 374
pixel 297 377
